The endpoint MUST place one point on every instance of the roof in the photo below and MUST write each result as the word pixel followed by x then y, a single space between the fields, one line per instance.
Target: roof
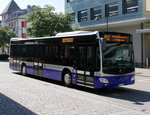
pixel 12 6
pixel 59 35
pixel 75 33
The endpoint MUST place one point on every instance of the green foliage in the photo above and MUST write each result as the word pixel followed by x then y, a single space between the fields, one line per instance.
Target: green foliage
pixel 46 22
pixel 4 56
pixel 5 35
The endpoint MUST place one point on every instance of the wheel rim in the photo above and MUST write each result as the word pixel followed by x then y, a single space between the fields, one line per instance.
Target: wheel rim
pixel 67 79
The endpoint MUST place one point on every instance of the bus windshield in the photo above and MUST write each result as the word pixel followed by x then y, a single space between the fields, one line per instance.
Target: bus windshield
pixel 118 58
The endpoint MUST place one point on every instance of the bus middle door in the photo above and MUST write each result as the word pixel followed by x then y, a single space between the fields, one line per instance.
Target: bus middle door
pixel 38 63
pixel 85 65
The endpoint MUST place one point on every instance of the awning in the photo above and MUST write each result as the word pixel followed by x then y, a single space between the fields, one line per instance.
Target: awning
pixel 143 31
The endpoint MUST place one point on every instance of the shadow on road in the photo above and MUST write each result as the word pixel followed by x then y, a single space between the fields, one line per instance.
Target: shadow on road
pixel 138 97
pixel 10 107
pixel 133 95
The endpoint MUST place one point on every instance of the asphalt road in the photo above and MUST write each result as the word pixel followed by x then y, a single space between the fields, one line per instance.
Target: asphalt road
pixel 30 95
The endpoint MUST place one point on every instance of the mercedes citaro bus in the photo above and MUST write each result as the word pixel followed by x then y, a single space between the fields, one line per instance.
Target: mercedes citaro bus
pixel 90 59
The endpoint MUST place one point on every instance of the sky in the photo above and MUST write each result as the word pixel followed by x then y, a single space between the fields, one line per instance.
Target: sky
pixel 58 4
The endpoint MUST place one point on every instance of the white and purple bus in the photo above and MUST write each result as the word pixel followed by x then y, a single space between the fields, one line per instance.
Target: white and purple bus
pixel 90 59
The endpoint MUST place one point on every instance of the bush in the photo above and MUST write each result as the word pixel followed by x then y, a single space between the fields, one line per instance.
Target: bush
pixel 4 57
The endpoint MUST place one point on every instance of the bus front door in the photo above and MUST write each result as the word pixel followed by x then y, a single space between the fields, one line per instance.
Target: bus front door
pixel 85 65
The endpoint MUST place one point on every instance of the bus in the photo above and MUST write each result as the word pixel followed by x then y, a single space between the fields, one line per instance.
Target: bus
pixel 90 59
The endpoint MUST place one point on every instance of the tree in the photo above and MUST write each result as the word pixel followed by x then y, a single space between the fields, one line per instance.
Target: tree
pixel 46 22
pixel 5 35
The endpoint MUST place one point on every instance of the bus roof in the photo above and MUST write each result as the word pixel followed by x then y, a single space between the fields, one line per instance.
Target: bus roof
pixel 76 33
pixel 59 35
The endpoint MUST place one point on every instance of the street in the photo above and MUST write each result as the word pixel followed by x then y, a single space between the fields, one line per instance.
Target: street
pixel 30 95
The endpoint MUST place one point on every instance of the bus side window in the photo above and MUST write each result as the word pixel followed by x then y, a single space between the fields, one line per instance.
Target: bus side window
pixel 24 51
pixel 46 53
pixel 70 55
pixel 67 55
pixel 54 54
pixel 62 50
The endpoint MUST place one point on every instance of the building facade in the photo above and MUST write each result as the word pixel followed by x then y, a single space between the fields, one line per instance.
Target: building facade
pixel 15 17
pixel 130 16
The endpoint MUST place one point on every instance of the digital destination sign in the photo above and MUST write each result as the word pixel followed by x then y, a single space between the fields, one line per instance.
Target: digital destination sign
pixel 66 40
pixel 120 38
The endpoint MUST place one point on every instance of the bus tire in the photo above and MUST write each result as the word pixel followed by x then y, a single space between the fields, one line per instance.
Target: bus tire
pixel 67 78
pixel 24 70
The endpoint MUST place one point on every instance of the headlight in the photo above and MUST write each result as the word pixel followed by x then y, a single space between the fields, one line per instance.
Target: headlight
pixel 103 80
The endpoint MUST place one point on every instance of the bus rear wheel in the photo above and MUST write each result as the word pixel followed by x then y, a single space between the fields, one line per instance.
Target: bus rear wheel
pixel 24 70
pixel 67 79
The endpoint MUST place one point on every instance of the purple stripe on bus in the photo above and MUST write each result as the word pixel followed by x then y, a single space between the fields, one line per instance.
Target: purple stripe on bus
pixel 52 74
pixel 11 65
pixel 30 70
pixel 74 78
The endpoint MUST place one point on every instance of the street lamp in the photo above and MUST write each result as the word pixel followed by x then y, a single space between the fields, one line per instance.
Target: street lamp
pixel 107 15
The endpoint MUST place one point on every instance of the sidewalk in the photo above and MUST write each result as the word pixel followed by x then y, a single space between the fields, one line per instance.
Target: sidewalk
pixel 142 72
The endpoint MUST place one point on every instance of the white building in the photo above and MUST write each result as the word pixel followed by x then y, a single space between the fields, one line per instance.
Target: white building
pixel 15 17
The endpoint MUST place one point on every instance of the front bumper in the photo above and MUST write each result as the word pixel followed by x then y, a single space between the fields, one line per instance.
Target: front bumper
pixel 113 81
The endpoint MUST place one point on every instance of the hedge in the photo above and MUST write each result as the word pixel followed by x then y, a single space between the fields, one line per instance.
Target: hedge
pixel 4 57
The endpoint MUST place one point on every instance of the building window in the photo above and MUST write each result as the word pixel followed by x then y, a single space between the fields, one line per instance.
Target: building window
pixel 24 35
pixel 15 15
pixel 73 17
pixel 130 6
pixel 69 1
pixel 111 9
pixel 82 15
pixel 24 24
pixel 96 13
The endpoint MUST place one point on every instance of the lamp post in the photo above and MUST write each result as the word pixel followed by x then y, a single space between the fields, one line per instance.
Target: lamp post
pixel 107 14
pixel 142 37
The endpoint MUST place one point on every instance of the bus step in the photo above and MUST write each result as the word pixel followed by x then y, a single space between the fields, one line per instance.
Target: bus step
pixel 90 83
pixel 85 85
pixel 80 81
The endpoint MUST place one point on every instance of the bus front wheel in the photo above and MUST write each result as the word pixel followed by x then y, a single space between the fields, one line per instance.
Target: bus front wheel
pixel 24 70
pixel 67 79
